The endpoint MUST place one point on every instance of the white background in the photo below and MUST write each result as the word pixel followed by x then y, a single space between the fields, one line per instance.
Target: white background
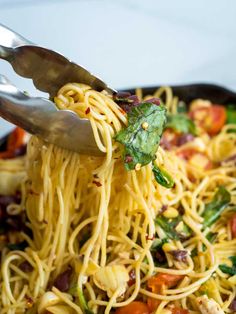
pixel 132 42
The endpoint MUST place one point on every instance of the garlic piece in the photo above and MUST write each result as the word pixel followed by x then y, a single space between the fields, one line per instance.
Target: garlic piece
pixel 208 306
pixel 110 278
pixel 48 299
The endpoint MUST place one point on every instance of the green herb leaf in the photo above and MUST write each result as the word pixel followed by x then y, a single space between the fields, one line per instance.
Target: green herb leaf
pixel 142 143
pixel 17 246
pixel 169 225
pixel 157 244
pixel 227 269
pixel 214 209
pixel 231 113
pixel 83 302
pixel 181 123
pixel 162 177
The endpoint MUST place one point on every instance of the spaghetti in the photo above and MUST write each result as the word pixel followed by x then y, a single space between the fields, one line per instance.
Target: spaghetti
pixel 101 239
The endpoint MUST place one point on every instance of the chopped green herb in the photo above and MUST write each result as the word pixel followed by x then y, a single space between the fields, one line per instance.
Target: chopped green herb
pixel 169 227
pixel 181 123
pixel 227 269
pixel 214 209
pixel 17 246
pixel 162 177
pixel 141 143
pixel 83 302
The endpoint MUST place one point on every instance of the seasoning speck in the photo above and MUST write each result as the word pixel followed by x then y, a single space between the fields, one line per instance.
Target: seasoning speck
pixel 97 183
pixel 87 111
pixel 145 125
pixel 128 158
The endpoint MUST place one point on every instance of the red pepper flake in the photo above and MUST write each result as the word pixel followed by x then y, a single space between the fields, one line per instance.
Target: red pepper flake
pixel 163 208
pixel 98 184
pixel 87 111
pixel 128 158
pixel 29 301
pixel 122 111
pixel 32 192
pixel 150 238
pixel 132 278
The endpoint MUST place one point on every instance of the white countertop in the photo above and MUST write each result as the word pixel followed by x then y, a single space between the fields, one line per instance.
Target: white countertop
pixel 132 42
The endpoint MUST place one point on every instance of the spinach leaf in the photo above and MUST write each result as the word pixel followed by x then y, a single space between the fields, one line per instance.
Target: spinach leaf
pixel 231 113
pixel 162 177
pixel 214 209
pixel 169 227
pixel 227 269
pixel 83 302
pixel 181 123
pixel 17 246
pixel 141 137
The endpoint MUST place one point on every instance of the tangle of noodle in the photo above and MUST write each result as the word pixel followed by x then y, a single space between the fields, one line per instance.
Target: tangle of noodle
pixel 89 212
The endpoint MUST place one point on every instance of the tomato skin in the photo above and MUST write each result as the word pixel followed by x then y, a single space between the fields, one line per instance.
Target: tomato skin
pixel 14 142
pixel 176 310
pixel 233 226
pixel 211 118
pixel 161 279
pixel 188 153
pixel 156 283
pixel 135 307
pixel 153 304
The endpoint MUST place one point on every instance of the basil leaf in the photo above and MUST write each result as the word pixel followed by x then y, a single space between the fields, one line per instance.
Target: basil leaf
pixel 214 209
pixel 181 123
pixel 83 302
pixel 169 225
pixel 227 269
pixel 141 143
pixel 162 177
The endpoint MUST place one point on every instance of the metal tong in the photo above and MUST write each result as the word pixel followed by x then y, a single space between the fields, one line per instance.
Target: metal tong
pixel 49 71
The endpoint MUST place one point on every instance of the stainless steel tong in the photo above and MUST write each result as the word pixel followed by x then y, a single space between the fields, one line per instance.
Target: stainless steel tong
pixel 49 71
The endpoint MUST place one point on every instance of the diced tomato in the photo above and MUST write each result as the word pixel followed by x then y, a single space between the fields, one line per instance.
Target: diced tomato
pixel 135 307
pixel 153 304
pixel 156 283
pixel 177 310
pixel 211 118
pixel 161 279
pixel 233 226
pixel 14 142
pixel 195 157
